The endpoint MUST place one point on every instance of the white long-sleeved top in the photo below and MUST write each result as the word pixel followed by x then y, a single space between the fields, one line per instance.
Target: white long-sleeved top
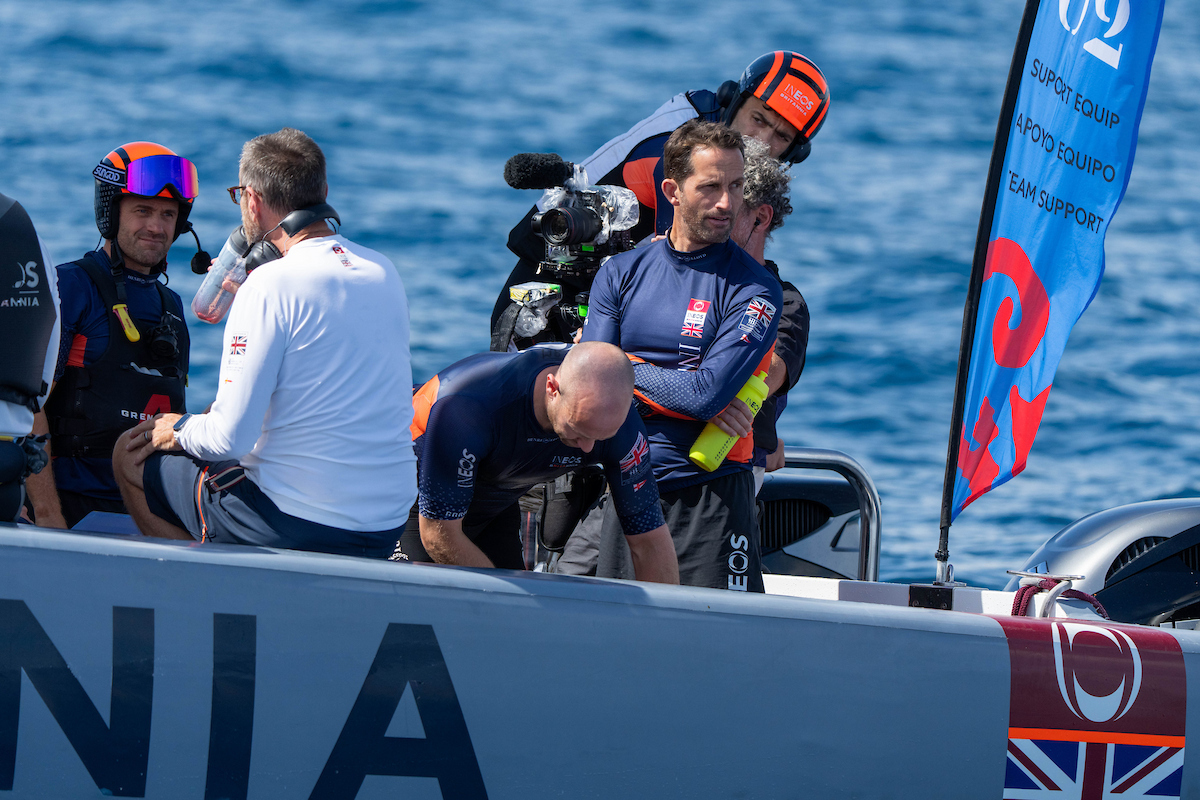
pixel 17 420
pixel 315 394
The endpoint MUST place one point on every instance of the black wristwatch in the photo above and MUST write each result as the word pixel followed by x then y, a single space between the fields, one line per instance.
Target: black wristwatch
pixel 179 422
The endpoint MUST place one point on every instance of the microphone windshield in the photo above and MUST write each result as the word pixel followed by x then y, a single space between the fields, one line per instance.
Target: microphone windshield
pixel 537 171
pixel 201 262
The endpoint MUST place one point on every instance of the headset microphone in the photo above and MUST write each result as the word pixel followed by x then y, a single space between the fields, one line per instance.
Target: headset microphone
pixel 202 260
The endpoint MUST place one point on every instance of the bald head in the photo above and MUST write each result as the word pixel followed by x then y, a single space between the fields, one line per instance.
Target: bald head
pixel 598 368
pixel 594 389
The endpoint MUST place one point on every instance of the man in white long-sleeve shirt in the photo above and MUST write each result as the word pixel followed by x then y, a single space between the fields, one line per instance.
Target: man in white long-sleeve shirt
pixel 307 444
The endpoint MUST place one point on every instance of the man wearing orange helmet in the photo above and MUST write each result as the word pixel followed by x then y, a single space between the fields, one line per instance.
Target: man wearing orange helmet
pixel 124 345
pixel 781 99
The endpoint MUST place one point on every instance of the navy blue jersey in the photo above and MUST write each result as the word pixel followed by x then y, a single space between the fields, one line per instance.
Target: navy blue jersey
pixel 702 322
pixel 479 445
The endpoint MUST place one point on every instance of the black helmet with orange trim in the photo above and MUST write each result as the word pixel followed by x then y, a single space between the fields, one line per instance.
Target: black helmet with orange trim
pixel 790 85
pixel 146 169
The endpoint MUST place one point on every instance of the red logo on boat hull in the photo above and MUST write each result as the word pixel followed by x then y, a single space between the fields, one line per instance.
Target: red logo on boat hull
pixel 1094 710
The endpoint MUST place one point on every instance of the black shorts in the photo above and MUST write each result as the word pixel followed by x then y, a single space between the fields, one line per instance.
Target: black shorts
pixel 178 492
pixel 715 529
pixel 498 537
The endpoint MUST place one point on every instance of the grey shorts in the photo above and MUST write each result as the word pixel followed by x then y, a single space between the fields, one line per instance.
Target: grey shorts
pixel 715 529
pixel 210 502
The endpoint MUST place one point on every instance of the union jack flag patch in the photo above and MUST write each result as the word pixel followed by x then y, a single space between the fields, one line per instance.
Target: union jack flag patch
pixel 237 346
pixel 638 455
pixel 757 318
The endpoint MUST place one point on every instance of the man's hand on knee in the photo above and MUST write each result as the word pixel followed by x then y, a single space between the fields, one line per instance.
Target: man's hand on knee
pixel 150 437
pixel 126 465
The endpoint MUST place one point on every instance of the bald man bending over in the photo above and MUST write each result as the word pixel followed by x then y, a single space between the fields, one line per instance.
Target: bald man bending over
pixel 491 426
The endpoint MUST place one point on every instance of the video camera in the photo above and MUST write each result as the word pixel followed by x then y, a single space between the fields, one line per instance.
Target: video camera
pixel 582 226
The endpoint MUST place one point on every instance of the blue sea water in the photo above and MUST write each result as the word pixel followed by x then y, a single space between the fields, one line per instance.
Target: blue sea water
pixel 418 105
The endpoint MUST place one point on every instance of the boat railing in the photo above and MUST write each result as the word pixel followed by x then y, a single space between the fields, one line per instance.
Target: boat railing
pixel 864 488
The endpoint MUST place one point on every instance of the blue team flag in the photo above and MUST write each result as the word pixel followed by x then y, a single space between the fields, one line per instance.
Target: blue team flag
pixel 1067 153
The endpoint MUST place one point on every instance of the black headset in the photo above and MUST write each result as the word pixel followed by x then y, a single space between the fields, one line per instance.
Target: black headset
pixel 262 252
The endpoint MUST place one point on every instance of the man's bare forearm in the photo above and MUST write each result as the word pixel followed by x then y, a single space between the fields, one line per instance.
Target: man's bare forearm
pixel 43 493
pixel 446 543
pixel 777 374
pixel 654 556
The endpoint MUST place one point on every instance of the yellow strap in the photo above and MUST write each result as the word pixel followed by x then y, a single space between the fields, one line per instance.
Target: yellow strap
pixel 131 331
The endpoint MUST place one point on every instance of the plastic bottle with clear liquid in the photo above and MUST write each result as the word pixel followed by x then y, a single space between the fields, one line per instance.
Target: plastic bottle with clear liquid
pixel 215 296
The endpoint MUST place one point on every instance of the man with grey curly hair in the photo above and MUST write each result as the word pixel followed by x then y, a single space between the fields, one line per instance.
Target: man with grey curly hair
pixel 765 205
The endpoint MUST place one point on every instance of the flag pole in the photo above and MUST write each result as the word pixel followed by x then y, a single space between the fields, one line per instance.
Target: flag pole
pixel 945 572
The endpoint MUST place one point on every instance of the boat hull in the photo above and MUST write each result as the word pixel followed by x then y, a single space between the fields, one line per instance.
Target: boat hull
pixel 292 675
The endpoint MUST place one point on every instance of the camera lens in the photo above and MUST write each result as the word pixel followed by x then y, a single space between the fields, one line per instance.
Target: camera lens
pixel 569 225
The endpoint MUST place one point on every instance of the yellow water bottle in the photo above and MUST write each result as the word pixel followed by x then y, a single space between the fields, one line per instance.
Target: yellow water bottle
pixel 714 444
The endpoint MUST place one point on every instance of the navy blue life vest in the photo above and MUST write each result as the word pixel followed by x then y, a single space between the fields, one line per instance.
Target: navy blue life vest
pixel 93 405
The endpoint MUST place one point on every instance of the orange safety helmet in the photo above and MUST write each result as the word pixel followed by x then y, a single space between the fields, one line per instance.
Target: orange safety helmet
pixel 146 169
pixel 790 85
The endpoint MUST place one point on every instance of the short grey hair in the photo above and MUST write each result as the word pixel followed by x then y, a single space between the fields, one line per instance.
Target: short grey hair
pixel 286 168
pixel 766 181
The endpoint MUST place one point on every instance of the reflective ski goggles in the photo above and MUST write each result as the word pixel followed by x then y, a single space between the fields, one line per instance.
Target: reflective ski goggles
pixel 150 175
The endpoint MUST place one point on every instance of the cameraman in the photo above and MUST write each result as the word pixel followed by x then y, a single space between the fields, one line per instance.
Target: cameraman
pixel 29 338
pixel 781 99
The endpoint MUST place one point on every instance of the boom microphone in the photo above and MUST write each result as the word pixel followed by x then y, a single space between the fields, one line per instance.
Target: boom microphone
pixel 537 171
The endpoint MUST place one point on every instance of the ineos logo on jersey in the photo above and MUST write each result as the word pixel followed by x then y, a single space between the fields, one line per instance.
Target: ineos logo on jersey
pixel 1123 655
pixel 1101 50
pixel 466 469
pixel 566 461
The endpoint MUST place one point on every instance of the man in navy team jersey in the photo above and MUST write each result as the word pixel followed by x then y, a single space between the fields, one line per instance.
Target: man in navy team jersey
pixel 491 426
pixel 699 316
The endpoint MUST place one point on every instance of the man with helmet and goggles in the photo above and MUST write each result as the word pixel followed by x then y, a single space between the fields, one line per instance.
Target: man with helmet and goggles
pixel 124 346
pixel 781 99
